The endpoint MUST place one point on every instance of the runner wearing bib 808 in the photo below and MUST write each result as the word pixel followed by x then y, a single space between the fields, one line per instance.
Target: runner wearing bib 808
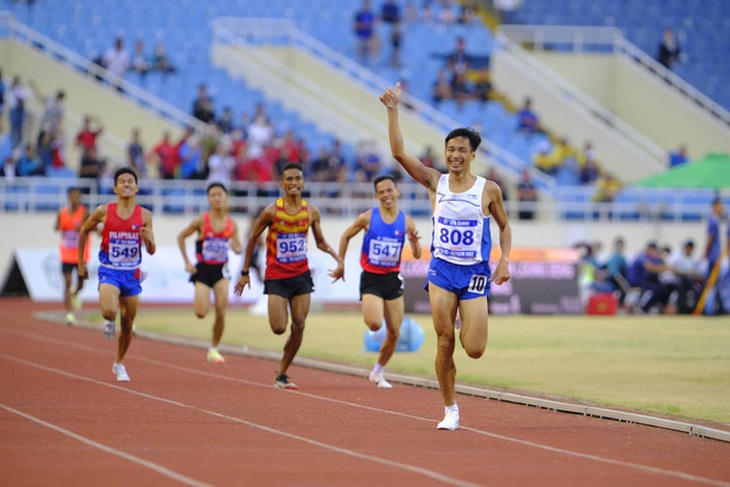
pixel 287 280
pixel 459 275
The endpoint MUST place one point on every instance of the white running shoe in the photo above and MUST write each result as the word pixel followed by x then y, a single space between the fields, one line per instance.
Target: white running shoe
pixel 109 330
pixel 450 421
pixel 380 381
pixel 76 302
pixel 70 319
pixel 120 372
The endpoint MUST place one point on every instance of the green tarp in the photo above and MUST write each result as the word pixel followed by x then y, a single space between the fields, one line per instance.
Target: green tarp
pixel 712 171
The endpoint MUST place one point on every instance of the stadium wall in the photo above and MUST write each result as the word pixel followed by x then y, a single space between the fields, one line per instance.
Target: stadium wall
pixel 35 231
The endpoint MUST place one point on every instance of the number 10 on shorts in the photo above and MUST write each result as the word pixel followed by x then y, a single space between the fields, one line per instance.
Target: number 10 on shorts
pixel 478 284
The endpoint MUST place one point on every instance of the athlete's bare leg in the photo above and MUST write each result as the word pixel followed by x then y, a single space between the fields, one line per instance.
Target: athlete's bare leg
pixel 475 326
pixel 201 302
pixel 127 312
pixel 393 319
pixel 443 311
pixel 220 290
pixel 299 311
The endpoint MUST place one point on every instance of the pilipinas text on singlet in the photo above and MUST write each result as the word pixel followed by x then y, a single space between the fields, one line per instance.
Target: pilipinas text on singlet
pixel 212 246
pixel 69 225
pixel 383 244
pixel 121 243
pixel 286 242
pixel 460 229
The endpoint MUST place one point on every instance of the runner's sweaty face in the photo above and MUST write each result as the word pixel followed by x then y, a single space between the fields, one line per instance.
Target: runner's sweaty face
pixel 292 182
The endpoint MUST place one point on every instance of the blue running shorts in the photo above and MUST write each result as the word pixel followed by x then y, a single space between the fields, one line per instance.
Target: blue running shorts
pixel 127 281
pixel 466 281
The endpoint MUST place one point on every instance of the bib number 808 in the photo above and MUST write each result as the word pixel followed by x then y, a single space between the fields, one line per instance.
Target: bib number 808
pixel 456 237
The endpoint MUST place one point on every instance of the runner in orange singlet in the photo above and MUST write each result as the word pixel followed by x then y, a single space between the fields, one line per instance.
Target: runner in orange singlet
pixel 287 279
pixel 68 222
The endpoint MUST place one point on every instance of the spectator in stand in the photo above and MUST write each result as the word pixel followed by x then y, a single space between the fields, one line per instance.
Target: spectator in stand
pixel 458 60
pixel 649 265
pixel 364 29
pixel 543 160
pixel 260 134
pixel 607 186
pixel 160 61
pixel 221 165
pixel 461 89
pixel 507 9
pixel 678 157
pixel 390 12
pixel 689 278
pixel 203 105
pixel 441 87
pixel 562 151
pixel 468 12
pixel 3 88
pixel 166 156
pixel 225 122
pixel 429 159
pixel 527 120
pixel 669 50
pixel 527 196
pixel 588 165
pixel 140 63
pixel 92 166
pixel 135 155
pixel 482 86
pixel 448 14
pixel 17 99
pixel 191 159
pixel 53 110
pixel 28 165
pixel 116 62
pixel 90 131
pixel 396 43
pixel 368 164
pixel 617 268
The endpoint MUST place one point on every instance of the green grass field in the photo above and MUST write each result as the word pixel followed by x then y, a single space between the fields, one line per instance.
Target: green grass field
pixel 666 365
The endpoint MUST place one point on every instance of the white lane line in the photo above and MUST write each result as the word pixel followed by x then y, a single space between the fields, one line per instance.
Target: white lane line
pixel 99 446
pixel 384 461
pixel 586 456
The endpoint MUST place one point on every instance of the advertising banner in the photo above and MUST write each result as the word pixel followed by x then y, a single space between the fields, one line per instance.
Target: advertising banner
pixel 544 281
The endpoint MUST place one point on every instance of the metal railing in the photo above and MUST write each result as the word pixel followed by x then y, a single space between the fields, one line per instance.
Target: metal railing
pixel 188 197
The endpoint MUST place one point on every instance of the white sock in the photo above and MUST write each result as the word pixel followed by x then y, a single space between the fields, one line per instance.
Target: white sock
pixel 378 369
pixel 106 322
pixel 453 407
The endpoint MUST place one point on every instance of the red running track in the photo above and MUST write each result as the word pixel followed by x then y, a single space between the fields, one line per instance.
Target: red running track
pixel 64 420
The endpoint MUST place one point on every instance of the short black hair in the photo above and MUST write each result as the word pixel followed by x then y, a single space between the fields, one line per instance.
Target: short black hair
pixel 216 185
pixel 74 188
pixel 292 165
pixel 389 177
pixel 124 170
pixel 474 138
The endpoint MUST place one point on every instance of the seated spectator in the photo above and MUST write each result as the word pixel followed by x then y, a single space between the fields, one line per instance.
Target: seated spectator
pixel 482 86
pixel 468 12
pixel 221 165
pixel 166 155
pixel 493 175
pixel 116 61
pixel 607 187
pixel 140 63
pixel 527 120
pixel 441 88
pixel 368 163
pixel 364 30
pixel 90 131
pixel 92 166
pixel 225 122
pixel 543 161
pixel 649 265
pixel 191 158
pixel 390 12
pixel 617 270
pixel 590 172
pixel 669 51
pixel 527 196
pixel 27 164
pixel 135 155
pixel 160 61
pixel 562 151
pixel 460 88
pixel 458 60
pixel 690 278
pixel 678 157
pixel 203 105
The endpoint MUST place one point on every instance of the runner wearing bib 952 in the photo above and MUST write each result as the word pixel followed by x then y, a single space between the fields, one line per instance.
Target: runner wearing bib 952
pixel 381 285
pixel 459 275
pixel 287 279
pixel 127 227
